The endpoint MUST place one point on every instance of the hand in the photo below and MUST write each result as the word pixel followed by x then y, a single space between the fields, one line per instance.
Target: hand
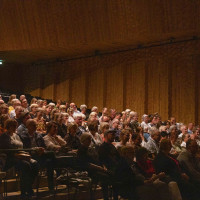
pixel 161 174
pixel 185 176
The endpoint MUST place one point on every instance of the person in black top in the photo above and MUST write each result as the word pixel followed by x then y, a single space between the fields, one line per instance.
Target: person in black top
pixel 109 158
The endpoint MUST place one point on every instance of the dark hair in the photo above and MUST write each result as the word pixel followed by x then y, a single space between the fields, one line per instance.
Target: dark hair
pixel 10 122
pixel 49 125
pixel 93 126
pixel 163 134
pixel 135 136
pixel 140 152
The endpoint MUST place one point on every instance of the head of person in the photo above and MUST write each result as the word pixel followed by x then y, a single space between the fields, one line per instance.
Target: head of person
pixel 40 103
pixel 105 118
pixel 104 126
pixel 164 135
pixel 134 116
pixel 62 108
pixel 118 115
pixel 73 106
pixel 18 111
pixel 183 129
pixel 58 118
pixel 115 124
pixel 53 112
pixel 65 117
pixel 93 126
pixel 109 136
pixel 11 125
pixel 40 112
pixel 11 97
pixel 16 102
pixel 136 138
pixel 52 128
pixel 3 109
pixel 93 116
pixel 3 118
pixel 48 109
pixel 112 113
pixel 165 146
pixel 70 111
pixel 104 111
pixel 141 154
pixel 33 101
pixel 186 137
pixel 24 103
pixel 44 102
pixel 190 126
pixel 72 129
pixel 145 118
pixel 128 153
pixel 31 125
pixel 192 146
pixel 85 139
pixel 52 105
pixel 78 119
pixel 34 107
pixel 24 116
pixel 155 134
pixel 124 136
pixel 94 109
pixel 22 97
pixel 162 128
pixel 172 120
pixel 83 108
pixel 1 102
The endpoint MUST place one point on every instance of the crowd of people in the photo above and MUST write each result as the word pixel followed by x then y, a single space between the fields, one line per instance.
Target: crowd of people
pixel 153 159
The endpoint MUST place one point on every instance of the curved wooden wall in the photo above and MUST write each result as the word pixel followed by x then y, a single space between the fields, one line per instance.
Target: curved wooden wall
pixel 162 79
pixel 94 24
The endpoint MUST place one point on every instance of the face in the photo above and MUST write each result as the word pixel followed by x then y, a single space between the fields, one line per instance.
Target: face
pixel 4 110
pixel 111 137
pixel 157 136
pixel 34 109
pixel 190 126
pixel 53 130
pixel 116 124
pixel 72 105
pixel 26 118
pixel 18 112
pixel 32 127
pixel 135 117
pixel 138 140
pixel 24 103
pixel 79 120
pixel 87 142
pixel 49 109
pixel 173 120
pixel 184 129
pixel 126 137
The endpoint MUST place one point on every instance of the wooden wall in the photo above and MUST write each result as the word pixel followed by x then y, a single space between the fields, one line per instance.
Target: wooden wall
pixel 162 79
pixel 75 24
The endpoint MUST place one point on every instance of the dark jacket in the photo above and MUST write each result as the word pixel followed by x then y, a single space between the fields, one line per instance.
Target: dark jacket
pixel 27 141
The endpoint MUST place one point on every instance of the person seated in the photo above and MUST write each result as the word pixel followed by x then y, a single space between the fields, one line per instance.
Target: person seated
pixel 124 138
pixel 47 113
pixel 3 109
pixel 62 128
pixel 24 116
pixel 96 138
pixel 190 162
pixel 104 126
pixel 22 161
pixel 164 162
pixel 15 103
pixel 33 112
pixel 53 141
pixel 153 142
pixel 73 141
pixel 78 119
pixel 18 112
pixel 41 124
pixel 133 184
pixel 87 156
pixel 176 145
pixel 34 140
pixel 3 118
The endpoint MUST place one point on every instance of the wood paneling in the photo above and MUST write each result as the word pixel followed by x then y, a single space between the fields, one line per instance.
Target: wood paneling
pixel 183 89
pixel 83 24
pixel 158 86
pixel 77 89
pixel 114 89
pixel 135 86
pixel 95 88
pixel 162 79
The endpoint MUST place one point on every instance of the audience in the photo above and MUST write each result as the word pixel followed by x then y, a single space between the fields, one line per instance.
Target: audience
pixel 113 141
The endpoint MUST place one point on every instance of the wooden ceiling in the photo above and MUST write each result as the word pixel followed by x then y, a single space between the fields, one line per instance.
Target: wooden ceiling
pixel 43 30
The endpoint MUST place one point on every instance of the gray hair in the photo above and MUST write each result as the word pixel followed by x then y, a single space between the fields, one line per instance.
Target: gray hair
pixel 153 131
pixel 83 106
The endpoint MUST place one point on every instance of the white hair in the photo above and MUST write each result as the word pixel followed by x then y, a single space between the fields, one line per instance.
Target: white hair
pixel 94 108
pixel 153 131
pixel 143 116
pixel 83 106
pixel 78 115
pixel 52 104
pixel 127 110
pixel 133 113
